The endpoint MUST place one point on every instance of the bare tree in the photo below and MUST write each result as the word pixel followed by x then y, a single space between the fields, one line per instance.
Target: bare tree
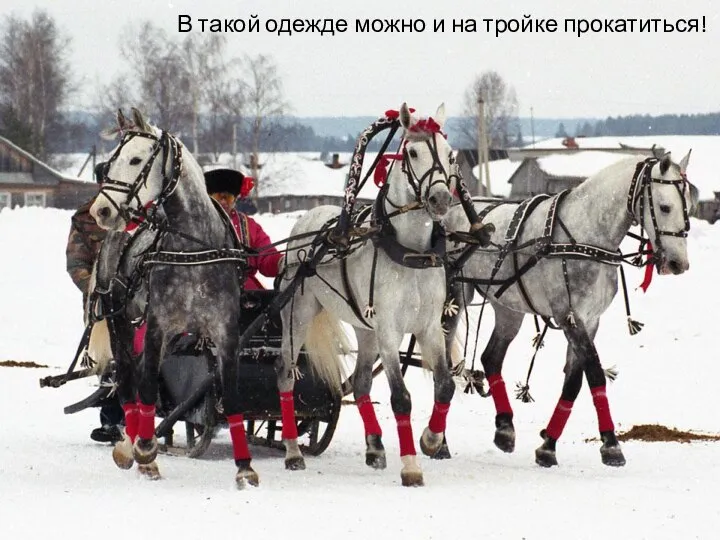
pixel 160 67
pixel 501 110
pixel 264 104
pixel 34 78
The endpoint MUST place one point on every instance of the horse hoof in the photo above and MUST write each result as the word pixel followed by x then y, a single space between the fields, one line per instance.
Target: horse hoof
pixel 295 463
pixel 610 451
pixel 149 471
pixel 430 442
pixel 246 477
pixel 411 474
pixel 443 452
pixel 504 433
pixel 145 450
pixel 375 460
pixel 122 454
pixel 412 478
pixel 545 457
pixel 375 452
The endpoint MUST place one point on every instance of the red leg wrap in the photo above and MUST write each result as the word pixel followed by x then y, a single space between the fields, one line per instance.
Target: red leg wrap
pixel 559 418
pixel 132 419
pixel 287 410
pixel 146 425
pixel 367 412
pixel 438 417
pixel 404 427
pixel 499 394
pixel 602 407
pixel 237 434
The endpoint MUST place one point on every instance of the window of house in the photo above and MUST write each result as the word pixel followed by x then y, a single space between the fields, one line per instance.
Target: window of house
pixel 287 204
pixel 5 199
pixel 33 198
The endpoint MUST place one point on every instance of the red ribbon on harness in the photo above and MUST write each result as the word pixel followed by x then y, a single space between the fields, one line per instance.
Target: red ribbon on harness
pixel 393 114
pixel 380 174
pixel 648 269
pixel 132 225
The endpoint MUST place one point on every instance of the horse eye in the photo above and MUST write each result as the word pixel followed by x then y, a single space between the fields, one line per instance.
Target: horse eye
pixel 664 208
pixel 413 153
pixel 135 161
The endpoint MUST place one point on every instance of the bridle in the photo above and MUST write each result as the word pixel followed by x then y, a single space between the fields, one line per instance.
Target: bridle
pixel 641 189
pixel 170 148
pixel 416 182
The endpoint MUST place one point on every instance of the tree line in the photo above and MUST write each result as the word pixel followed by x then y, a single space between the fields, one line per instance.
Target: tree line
pixel 666 124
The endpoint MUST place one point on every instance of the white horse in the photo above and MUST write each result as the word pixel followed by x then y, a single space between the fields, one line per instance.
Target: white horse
pixel 557 257
pixel 400 283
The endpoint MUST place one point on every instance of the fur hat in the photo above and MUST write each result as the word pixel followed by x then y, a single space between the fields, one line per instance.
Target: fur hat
pixel 228 181
pixel 100 171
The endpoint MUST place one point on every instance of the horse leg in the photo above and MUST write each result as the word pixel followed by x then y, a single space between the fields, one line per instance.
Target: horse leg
pixel 507 326
pixel 577 354
pixel 227 356
pixel 411 474
pixel 146 446
pixel 296 319
pixel 433 350
pixel 610 451
pixel 362 384
pixel 120 343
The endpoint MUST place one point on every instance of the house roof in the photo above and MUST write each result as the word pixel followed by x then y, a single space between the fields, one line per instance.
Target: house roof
pixel 34 160
pixel 579 165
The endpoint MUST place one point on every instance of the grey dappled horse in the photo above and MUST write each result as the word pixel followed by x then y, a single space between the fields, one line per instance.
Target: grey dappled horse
pixel 385 299
pixel 575 281
pixel 193 275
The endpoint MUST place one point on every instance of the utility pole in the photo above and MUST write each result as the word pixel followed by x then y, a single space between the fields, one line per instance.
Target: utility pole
pixel 483 151
pixel 532 126
pixel 234 146
pixel 480 123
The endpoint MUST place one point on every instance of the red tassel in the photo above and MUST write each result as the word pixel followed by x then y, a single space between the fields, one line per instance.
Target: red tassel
pixel 380 174
pixel 393 114
pixel 648 269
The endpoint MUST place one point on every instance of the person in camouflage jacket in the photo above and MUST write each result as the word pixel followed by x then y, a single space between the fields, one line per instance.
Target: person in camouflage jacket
pixel 83 246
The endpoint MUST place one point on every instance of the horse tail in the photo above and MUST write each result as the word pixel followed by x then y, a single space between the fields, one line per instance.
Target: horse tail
pixel 326 342
pixel 98 348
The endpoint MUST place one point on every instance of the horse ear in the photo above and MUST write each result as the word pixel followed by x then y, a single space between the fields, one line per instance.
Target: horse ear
pixel 684 162
pixel 405 116
pixel 140 122
pixel 665 163
pixel 121 120
pixel 440 115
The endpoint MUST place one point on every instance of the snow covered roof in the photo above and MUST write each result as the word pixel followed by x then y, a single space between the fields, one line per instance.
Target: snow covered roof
pixel 578 165
pixel 501 171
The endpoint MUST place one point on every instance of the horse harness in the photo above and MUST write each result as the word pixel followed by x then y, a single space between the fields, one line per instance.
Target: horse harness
pixel 168 145
pixel 544 247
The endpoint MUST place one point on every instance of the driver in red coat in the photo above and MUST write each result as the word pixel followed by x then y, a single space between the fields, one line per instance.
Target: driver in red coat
pixel 225 186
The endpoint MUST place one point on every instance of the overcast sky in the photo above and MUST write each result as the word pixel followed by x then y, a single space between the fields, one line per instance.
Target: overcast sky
pixel 557 74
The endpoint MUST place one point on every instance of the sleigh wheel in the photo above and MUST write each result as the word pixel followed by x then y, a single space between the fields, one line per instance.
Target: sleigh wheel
pixel 319 431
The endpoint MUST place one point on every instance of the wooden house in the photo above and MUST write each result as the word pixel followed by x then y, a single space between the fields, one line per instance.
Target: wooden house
pixel 27 181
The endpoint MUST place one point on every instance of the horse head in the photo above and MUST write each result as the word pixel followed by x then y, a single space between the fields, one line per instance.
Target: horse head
pixel 665 201
pixel 144 168
pixel 428 161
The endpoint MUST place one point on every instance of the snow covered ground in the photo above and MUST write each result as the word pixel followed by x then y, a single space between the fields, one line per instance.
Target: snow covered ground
pixel 55 481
